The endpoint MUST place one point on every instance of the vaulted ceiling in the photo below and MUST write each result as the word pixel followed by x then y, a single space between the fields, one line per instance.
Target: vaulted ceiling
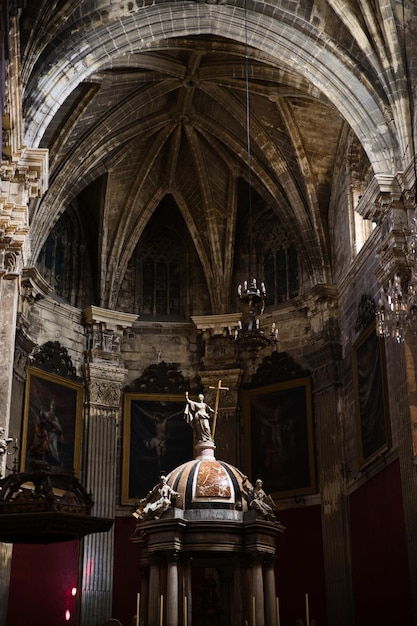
pixel 189 98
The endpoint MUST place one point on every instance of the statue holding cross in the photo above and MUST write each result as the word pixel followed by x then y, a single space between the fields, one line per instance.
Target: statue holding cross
pixel 198 415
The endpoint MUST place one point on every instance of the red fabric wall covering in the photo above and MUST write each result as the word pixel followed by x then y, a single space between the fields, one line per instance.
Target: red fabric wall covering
pixel 42 577
pixel 299 569
pixel 379 554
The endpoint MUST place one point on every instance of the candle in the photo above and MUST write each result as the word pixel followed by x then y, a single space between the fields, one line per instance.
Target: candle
pixel 307 612
pixel 278 618
pixel 137 609
pixel 185 611
pixel 161 615
pixel 253 611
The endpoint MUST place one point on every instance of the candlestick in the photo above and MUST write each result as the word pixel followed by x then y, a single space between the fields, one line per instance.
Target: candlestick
pixel 253 611
pixel 278 617
pixel 185 611
pixel 307 612
pixel 137 609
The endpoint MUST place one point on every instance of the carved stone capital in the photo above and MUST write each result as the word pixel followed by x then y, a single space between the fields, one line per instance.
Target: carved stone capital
pixel 322 311
pixel 105 329
pixel 325 363
pixel 104 385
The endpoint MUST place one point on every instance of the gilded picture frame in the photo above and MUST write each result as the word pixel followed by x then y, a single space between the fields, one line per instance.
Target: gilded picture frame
pixel 156 439
pixel 53 404
pixel 373 430
pixel 279 444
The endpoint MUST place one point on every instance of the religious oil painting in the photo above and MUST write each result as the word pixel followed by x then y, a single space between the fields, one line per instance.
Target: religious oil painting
pixel 52 422
pixel 156 439
pixel 371 401
pixel 279 437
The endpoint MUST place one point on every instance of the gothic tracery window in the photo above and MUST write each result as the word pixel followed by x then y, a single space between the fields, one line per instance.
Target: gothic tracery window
pixel 64 260
pixel 161 275
pixel 281 273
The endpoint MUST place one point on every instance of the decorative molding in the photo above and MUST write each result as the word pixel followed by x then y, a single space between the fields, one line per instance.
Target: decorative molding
pixel 104 393
pixel 163 378
pixel 216 324
pixel 104 385
pixel 105 329
pixel 366 312
pixel 326 366
pixel 381 193
pixel 109 318
pixel 275 368
pixel 53 358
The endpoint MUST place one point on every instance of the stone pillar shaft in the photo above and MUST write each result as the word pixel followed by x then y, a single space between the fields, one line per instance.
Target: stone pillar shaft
pixel 8 312
pixel 144 597
pixel 335 517
pixel 270 595
pixel 153 605
pixel 402 383
pixel 104 384
pixel 172 593
pixel 258 595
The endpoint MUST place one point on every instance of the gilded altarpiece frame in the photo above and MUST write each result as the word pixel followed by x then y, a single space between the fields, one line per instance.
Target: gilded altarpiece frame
pixel 156 439
pixel 52 418
pixel 279 444
pixel 373 429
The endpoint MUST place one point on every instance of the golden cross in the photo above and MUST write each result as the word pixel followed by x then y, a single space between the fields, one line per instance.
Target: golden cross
pixel 216 406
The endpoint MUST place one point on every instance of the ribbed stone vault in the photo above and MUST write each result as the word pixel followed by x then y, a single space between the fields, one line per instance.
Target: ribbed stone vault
pixel 152 95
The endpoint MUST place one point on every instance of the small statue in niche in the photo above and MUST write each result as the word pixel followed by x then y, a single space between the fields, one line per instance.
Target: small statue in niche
pixel 157 501
pixel 4 441
pixel 258 500
pixel 197 415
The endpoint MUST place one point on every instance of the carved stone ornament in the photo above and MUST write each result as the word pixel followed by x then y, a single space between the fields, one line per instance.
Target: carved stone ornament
pixel 163 378
pixel 104 393
pixel 54 358
pixel 366 312
pixel 276 368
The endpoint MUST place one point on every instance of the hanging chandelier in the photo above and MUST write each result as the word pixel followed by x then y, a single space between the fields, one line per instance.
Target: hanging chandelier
pixel 249 335
pixel 397 311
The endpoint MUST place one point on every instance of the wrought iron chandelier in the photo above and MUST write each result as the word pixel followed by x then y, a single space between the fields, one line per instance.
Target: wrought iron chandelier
pixel 397 311
pixel 249 335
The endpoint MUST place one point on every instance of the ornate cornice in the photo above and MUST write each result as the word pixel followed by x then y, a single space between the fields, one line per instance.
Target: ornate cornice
pixel 382 191
pixel 20 182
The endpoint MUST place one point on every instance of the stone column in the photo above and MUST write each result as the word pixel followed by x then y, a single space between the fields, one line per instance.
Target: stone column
pixel 172 602
pixel 402 391
pixel 104 383
pixel 402 363
pixel 270 593
pixel 154 593
pixel 23 177
pixel 16 189
pixel 8 298
pixel 144 595
pixel 258 593
pixel 330 453
pixel 188 609
pixel 104 375
pixel 238 585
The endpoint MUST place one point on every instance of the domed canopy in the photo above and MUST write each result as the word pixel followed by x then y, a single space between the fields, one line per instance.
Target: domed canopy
pixel 206 483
